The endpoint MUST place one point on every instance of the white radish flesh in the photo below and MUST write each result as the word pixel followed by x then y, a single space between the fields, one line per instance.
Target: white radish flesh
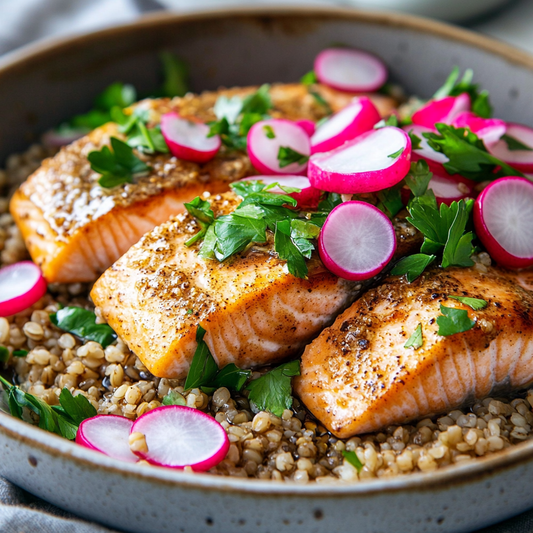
pixel 451 188
pixel 434 159
pixel 357 118
pixel 371 162
pixel 443 110
pixel 356 241
pixel 107 434
pixel 189 140
pixel 503 219
pixel 21 285
pixel 519 159
pixel 265 139
pixel 350 70
pixel 178 436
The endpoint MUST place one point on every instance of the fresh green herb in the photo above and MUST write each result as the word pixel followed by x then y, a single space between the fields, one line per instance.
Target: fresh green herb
pixel 309 78
pixel 514 144
pixel 390 201
pixel 174 398
pixel 418 178
pixel 4 354
pixel 320 100
pixel 352 458
pixel 190 311
pixel 415 141
pixel 416 340
pixel 413 266
pixel 475 303
pixel 20 353
pixel 273 391
pixel 269 132
pixel 82 323
pixel 392 120
pixel 287 156
pixel 453 321
pixel 232 377
pixel 78 408
pixel 259 102
pixel 396 154
pixel 175 74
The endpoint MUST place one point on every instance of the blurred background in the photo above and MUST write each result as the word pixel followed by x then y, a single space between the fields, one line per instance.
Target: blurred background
pixel 23 21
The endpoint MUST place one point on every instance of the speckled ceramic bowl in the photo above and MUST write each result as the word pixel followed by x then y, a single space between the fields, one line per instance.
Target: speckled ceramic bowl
pixel 44 84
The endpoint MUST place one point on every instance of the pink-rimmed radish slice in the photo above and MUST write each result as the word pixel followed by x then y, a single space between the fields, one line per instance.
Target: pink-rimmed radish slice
pixel 107 434
pixel 451 188
pixel 356 241
pixel 371 162
pixel 308 197
pixel 442 110
pixel 519 159
pixel 178 436
pixel 503 219
pixel 308 125
pixel 189 140
pixel 346 69
pixel 489 130
pixel 265 139
pixel 435 160
pixel 357 118
pixel 21 285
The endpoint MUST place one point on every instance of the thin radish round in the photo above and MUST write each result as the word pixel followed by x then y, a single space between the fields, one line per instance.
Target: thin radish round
pixel 21 285
pixel 442 110
pixel 308 197
pixel 503 219
pixel 371 162
pixel 356 241
pixel 308 125
pixel 178 436
pixel 107 434
pixel 268 139
pixel 451 188
pixel 189 140
pixel 357 118
pixel 521 159
pixel 347 69
pixel 435 160
pixel 489 130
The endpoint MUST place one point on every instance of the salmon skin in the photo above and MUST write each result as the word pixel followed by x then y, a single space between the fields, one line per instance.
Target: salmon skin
pixel 253 310
pixel 74 229
pixel 358 377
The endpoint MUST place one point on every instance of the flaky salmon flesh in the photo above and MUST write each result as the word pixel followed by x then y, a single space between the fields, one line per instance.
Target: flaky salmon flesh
pixel 358 377
pixel 254 312
pixel 74 229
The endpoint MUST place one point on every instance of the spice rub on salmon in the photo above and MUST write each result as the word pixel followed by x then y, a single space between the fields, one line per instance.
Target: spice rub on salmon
pixel 254 311
pixel 74 229
pixel 358 377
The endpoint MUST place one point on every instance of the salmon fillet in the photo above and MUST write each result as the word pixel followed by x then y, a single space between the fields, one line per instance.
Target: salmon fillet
pixel 74 229
pixel 253 310
pixel 357 376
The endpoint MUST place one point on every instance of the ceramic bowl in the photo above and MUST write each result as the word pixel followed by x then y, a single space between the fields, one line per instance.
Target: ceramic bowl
pixel 45 84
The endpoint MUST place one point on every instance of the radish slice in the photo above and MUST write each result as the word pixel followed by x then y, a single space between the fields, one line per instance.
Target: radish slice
pixel 350 70
pixel 179 436
pixel 21 285
pixel 489 130
pixel 107 434
pixel 371 162
pixel 503 219
pixel 356 241
pixel 308 125
pixel 435 160
pixel 189 140
pixel 519 159
pixel 443 110
pixel 265 139
pixel 309 197
pixel 448 188
pixel 355 119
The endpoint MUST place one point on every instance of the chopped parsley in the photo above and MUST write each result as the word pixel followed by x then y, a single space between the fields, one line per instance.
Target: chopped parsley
pixel 391 120
pixel 352 458
pixel 287 156
pixel 453 321
pixel 396 154
pixel 4 354
pixel 416 340
pixel 174 398
pixel 20 353
pixel 175 75
pixel 413 266
pixel 415 140
pixel 514 144
pixel 475 303
pixel 390 200
pixel 309 78
pixel 269 132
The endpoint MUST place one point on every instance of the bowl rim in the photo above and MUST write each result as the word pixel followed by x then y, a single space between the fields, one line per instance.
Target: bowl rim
pixel 53 445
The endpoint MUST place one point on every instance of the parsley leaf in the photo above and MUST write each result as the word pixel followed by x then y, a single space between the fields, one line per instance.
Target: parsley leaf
pixel 232 377
pixel 287 156
pixel 20 353
pixel 391 120
pixel 458 248
pixel 453 321
pixel 416 340
pixel 78 408
pixel 309 78
pixel 352 458
pixel 4 354
pixel 390 200
pixel 288 250
pixel 82 323
pixel 413 266
pixel 415 140
pixel 418 178
pixel 475 303
pixel 273 391
pixel 396 154
pixel 174 398
pixel 269 132
pixel 514 144
pixel 175 74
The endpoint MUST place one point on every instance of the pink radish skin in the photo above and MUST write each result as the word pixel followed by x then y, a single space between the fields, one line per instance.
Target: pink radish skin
pixel 307 125
pixel 189 140
pixel 178 436
pixel 363 164
pixel 356 241
pixel 435 160
pixel 503 219
pixel 107 434
pixel 442 110
pixel 489 130
pixel 357 118
pixel 263 151
pixel 21 285
pixel 308 197
pixel 520 159
pixel 350 70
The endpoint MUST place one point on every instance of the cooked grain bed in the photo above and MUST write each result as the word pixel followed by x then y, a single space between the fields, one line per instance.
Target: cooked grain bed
pixel 293 447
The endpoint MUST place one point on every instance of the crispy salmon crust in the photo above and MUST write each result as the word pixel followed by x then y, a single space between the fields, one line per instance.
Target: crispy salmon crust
pixel 253 310
pixel 74 229
pixel 358 377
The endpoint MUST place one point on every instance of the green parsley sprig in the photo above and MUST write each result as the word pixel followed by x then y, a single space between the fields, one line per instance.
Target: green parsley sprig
pixel 453 321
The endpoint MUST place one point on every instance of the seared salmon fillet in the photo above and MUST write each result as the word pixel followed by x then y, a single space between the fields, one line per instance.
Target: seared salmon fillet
pixel 74 229
pixel 253 310
pixel 358 377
